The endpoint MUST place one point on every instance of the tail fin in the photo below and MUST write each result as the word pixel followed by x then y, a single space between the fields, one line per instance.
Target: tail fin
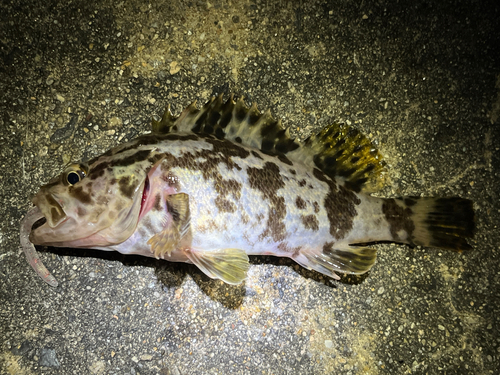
pixel 441 222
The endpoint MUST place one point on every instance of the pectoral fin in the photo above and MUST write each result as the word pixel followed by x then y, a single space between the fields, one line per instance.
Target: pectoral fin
pixel 177 230
pixel 229 265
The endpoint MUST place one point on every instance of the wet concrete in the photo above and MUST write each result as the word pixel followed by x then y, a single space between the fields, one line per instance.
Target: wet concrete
pixel 421 79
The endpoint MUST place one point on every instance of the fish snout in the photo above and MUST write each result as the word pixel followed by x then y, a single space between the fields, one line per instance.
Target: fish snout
pixel 50 208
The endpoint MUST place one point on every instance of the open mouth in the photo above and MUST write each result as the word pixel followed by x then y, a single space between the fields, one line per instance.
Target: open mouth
pixel 38 223
pixel 145 194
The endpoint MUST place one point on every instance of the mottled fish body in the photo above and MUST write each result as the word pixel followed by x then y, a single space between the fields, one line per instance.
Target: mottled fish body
pixel 217 184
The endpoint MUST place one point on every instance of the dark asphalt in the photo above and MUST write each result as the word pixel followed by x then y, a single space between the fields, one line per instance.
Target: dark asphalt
pixel 420 78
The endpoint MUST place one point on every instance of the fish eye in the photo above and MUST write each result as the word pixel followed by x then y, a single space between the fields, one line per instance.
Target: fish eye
pixel 74 174
pixel 73 178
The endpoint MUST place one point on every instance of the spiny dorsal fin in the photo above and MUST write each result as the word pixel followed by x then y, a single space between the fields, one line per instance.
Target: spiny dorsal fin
pixel 338 150
pixel 165 124
pixel 231 120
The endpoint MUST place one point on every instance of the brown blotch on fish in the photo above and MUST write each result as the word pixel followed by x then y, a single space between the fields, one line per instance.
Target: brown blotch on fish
pixel 224 188
pixel 157 203
pixel 399 219
pixel 328 248
pixel 98 170
pixel 170 178
pixel 268 181
pixel 340 205
pixel 132 159
pixel 285 247
pixel 78 193
pixel 300 203
pixel 302 183
pixel 127 186
pixel 80 211
pixel 310 222
pixel 257 155
pixel 292 171
pixel 224 205
pixel 284 159
pixel 316 207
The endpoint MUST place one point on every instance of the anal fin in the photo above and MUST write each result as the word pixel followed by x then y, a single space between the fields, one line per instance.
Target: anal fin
pixel 229 265
pixel 352 260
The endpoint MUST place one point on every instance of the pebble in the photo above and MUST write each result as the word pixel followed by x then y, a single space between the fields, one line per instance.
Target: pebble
pixel 48 358
pixel 380 290
pixel 174 67
pixel 43 151
pixel 328 343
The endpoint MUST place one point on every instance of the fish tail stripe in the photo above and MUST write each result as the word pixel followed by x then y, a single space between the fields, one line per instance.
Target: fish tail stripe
pixel 436 222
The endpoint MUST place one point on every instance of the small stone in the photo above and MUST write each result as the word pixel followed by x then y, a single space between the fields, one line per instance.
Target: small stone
pixel 380 290
pixel 146 357
pixel 43 151
pixel 49 81
pixel 60 98
pixel 48 358
pixel 174 67
pixel 440 327
pixel 329 343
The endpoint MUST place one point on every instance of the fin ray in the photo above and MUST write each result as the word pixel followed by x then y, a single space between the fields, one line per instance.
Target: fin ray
pixel 177 230
pixel 352 260
pixel 228 265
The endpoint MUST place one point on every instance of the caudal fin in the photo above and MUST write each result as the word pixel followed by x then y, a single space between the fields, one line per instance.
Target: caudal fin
pixel 441 222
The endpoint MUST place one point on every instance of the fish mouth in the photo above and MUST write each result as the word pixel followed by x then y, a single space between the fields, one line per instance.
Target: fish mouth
pixel 49 206
pixel 38 223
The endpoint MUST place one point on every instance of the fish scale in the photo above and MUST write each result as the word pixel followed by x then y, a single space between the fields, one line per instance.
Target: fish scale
pixel 217 184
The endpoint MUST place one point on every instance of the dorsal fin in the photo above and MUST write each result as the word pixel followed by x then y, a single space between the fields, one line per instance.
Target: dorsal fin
pixel 338 150
pixel 343 151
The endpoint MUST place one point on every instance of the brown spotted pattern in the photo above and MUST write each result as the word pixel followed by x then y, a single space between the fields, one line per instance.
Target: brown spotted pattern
pixel 300 203
pixel 225 188
pixel 340 205
pixel 268 181
pixel 399 218
pixel 310 222
pixel 208 162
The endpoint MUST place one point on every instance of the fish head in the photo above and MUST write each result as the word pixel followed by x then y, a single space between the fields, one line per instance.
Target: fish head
pixel 95 205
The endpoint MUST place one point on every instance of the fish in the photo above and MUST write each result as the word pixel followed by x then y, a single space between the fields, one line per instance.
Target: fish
pixel 225 181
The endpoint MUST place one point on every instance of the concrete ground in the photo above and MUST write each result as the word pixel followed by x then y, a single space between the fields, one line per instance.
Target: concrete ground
pixel 420 78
